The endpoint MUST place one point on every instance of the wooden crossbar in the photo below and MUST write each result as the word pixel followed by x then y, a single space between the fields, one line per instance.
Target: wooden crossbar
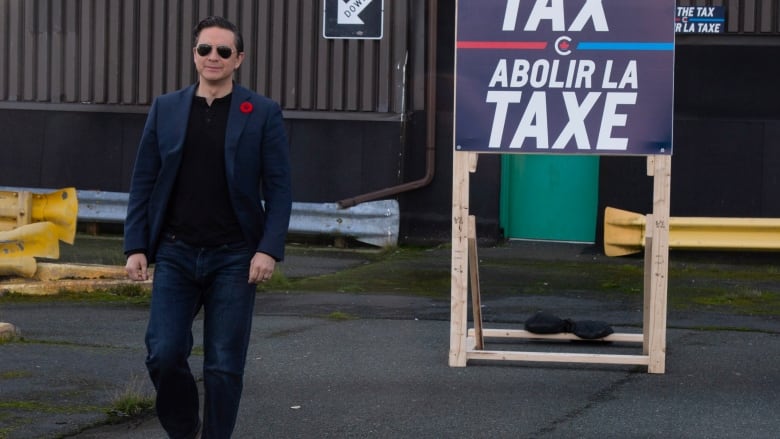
pixel 555 357
pixel 523 334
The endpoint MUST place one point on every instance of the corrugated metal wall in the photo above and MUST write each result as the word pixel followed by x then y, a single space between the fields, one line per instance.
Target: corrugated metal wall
pixel 126 52
pixel 745 16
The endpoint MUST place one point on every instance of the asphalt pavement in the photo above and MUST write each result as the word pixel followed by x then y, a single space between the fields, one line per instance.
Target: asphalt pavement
pixel 383 372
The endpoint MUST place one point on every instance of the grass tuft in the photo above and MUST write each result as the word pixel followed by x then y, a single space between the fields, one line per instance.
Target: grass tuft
pixel 341 316
pixel 15 374
pixel 130 402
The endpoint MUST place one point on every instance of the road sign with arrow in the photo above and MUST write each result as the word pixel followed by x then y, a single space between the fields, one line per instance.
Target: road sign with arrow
pixel 353 19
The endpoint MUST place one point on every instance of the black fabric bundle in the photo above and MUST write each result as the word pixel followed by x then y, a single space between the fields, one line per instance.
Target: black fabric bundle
pixel 546 323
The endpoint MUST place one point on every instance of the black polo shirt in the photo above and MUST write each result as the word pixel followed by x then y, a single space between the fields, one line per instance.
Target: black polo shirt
pixel 200 212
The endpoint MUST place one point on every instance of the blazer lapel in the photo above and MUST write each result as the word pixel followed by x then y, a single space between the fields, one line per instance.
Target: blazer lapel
pixel 180 113
pixel 237 118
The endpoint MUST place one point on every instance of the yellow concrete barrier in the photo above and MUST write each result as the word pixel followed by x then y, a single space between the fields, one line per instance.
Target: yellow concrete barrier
pixel 31 225
pixel 54 278
pixel 19 247
pixel 36 239
pixel 59 208
pixel 24 266
pixel 624 233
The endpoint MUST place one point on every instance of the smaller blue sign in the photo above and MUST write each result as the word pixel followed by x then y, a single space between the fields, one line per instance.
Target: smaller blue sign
pixel 700 20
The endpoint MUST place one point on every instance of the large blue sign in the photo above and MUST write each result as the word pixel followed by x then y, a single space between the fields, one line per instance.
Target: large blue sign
pixel 565 76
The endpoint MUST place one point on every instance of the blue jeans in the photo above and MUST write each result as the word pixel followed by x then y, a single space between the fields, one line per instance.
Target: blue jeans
pixel 187 278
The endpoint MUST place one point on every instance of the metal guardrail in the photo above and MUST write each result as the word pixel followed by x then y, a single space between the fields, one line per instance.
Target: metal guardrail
pixel 625 233
pixel 375 222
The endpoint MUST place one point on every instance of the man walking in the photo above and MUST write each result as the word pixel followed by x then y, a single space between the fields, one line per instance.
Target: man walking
pixel 208 154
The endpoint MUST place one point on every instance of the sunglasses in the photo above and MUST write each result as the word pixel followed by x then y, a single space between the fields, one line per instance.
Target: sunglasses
pixel 223 51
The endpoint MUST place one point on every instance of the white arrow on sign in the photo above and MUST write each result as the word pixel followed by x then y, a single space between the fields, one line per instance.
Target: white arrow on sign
pixel 349 11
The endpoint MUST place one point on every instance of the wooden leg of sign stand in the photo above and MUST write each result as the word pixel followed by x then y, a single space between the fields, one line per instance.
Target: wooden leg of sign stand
pixel 646 291
pixel 466 344
pixel 476 299
pixel 657 272
pixel 462 164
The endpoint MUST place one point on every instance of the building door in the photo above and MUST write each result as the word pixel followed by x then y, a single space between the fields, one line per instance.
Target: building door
pixel 549 197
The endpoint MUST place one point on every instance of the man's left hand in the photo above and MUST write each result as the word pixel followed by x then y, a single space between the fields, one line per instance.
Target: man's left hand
pixel 261 268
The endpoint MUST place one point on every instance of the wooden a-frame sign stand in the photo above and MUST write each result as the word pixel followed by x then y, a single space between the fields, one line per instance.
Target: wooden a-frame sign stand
pixel 468 344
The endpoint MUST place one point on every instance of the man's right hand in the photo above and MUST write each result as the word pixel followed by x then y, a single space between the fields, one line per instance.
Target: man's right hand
pixel 136 267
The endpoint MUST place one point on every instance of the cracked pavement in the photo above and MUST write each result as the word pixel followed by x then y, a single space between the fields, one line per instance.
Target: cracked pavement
pixel 384 373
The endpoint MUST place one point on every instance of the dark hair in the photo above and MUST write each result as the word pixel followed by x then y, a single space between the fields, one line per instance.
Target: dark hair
pixel 215 21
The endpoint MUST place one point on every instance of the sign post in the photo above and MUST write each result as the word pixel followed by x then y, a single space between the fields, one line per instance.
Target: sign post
pixel 555 77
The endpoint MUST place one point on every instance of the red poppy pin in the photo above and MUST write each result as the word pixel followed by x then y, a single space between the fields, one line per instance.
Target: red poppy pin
pixel 246 107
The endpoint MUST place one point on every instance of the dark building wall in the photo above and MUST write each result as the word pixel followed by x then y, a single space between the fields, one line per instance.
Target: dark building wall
pixel 727 119
pixel 95 151
pixel 736 80
pixel 427 212
pixel 52 149
pixel 337 159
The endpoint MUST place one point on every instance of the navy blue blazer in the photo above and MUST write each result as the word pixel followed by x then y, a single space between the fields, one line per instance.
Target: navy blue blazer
pixel 256 156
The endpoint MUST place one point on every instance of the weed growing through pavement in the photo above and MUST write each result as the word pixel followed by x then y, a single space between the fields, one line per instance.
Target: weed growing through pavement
pixel 15 374
pixel 131 401
pixel 277 282
pixel 339 315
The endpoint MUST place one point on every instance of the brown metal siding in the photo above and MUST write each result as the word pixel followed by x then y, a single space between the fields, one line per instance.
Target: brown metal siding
pixel 126 52
pixel 746 16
